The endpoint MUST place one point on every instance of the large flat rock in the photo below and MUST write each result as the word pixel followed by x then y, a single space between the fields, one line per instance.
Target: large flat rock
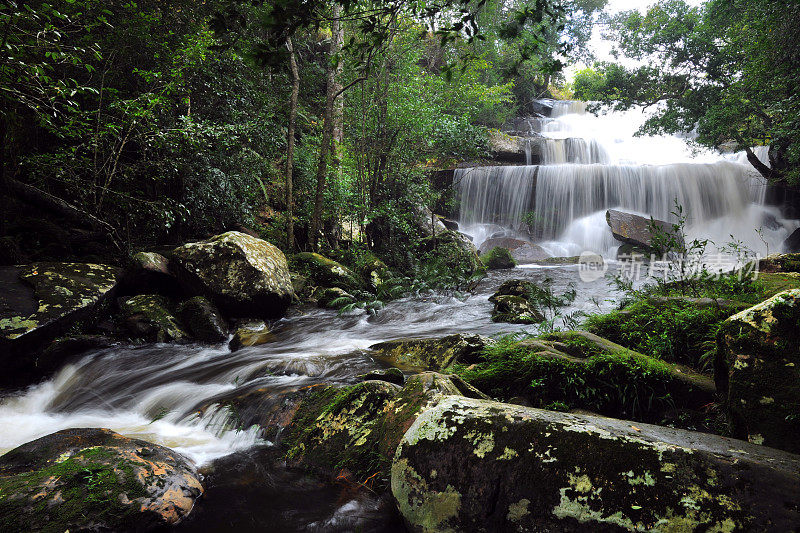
pixel 476 465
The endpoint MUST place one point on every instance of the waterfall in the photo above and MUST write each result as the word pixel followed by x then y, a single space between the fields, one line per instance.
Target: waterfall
pixel 594 163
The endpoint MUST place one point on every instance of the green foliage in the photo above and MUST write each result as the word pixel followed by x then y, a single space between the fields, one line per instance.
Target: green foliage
pixel 726 69
pixel 497 258
pixel 615 384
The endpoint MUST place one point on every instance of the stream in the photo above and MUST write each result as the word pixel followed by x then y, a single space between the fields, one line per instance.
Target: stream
pixel 155 391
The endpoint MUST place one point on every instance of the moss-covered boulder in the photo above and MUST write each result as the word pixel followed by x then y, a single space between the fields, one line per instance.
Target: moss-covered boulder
pixel 94 480
pixel 149 317
pixel 473 465
pixel 453 253
pixel 354 431
pixel 251 333
pixel 391 375
pixel 498 258
pixel 374 271
pixel 514 310
pixel 243 275
pixel 578 370
pixel 435 354
pixel 40 301
pixel 324 272
pixel 780 263
pixel 149 272
pixel 203 320
pixel 758 371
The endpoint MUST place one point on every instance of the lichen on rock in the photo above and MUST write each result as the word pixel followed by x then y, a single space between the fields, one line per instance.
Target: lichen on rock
pixel 94 480
pixel 455 471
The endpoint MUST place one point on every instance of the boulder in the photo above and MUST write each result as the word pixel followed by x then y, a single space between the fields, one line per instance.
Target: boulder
pixel 543 106
pixel 514 310
pixel 149 272
pixel 375 272
pixel 149 316
pixel 571 260
pixel 244 276
pixel 449 223
pixel 636 230
pixel 94 480
pixel 498 258
pixel 324 272
pixel 452 251
pixel 523 252
pixel 353 432
pixel 428 224
pixel 780 263
pixel 63 349
pixel 251 333
pixel 435 354
pixel 476 465
pixel 390 375
pixel 39 302
pixel 758 371
pixel 203 320
pixel 792 242
pixel 578 370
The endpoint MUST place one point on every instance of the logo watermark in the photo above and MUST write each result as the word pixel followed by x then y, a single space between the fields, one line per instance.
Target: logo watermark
pixel 669 267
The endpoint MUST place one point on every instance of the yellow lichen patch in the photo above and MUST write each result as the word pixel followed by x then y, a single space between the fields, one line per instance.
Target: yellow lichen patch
pixel 483 442
pixel 518 510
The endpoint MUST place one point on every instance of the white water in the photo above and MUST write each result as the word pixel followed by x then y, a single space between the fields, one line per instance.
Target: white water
pixel 594 163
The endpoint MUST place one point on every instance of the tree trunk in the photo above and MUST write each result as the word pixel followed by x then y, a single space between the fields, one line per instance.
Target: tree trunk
pixel 327 123
pixel 290 145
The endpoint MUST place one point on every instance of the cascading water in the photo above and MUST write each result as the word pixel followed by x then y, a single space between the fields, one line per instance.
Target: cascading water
pixel 593 163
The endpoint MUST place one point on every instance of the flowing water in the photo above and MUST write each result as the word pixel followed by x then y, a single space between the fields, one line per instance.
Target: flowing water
pixel 157 392
pixel 593 163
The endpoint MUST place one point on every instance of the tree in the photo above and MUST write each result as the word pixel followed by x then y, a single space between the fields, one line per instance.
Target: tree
pixel 290 134
pixel 727 69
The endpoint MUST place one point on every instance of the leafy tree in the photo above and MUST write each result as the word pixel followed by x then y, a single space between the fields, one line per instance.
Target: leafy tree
pixel 727 69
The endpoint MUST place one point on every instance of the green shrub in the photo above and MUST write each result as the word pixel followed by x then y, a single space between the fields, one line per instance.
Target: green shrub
pixel 498 258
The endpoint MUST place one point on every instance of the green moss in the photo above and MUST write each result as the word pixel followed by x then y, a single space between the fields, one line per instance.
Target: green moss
pixel 87 483
pixel 675 331
pixel 622 384
pixel 498 258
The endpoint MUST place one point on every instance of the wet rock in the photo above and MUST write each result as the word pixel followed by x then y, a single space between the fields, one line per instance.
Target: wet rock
pixel 390 375
pixel 758 371
pixel 428 224
pixel 244 276
pixel 40 301
pixel 630 252
pixel 333 297
pixel 252 333
pixel 94 480
pixel 636 230
pixel 435 354
pixel 203 320
pixel 571 260
pixel 510 149
pixel 780 263
pixel 449 224
pixel 522 252
pixel 514 310
pixel 299 284
pixel 354 431
pixel 498 258
pixel 543 106
pixel 568 370
pixel 324 272
pixel 473 465
pixel 453 251
pixel 375 272
pixel 149 316
pixel 149 272
pixel 792 242
pixel 63 349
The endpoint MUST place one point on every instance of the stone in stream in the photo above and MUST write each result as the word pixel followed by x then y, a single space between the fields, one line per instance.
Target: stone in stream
pixel 758 371
pixel 390 375
pixel 149 317
pixel 454 251
pixel 498 258
pixel 40 301
pixel 333 297
pixel 637 230
pixel 475 465
pixel 436 354
pixel 522 252
pixel 94 480
pixel 149 272
pixel 512 303
pixel 354 431
pixel 203 320
pixel 251 333
pixel 244 276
